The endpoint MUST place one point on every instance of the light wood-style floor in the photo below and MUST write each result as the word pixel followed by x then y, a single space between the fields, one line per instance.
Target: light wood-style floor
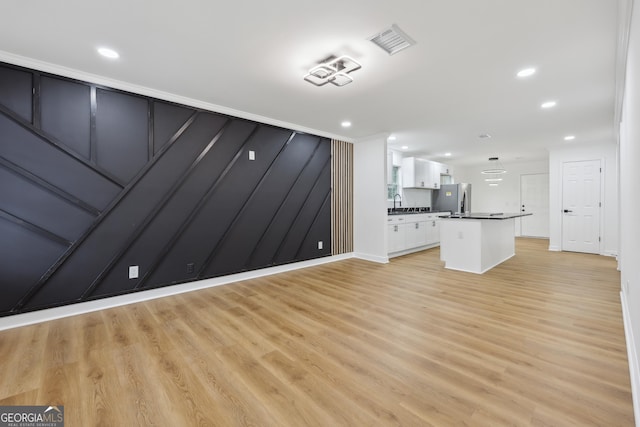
pixel 536 341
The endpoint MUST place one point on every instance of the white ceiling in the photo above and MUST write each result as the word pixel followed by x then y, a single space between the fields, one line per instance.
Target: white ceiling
pixel 457 82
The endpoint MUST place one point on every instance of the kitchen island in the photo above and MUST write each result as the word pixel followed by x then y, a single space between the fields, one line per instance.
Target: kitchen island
pixel 477 242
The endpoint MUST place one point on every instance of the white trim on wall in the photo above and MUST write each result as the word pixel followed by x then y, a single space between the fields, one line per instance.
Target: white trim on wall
pixel 632 355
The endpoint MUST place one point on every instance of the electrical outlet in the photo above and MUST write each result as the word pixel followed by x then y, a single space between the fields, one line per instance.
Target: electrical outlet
pixel 191 267
pixel 134 271
pixel 252 155
pixel 320 244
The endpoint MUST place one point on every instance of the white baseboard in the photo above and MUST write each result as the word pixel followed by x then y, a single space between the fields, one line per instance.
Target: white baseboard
pixel 554 248
pixel 412 250
pixel 634 371
pixel 33 317
pixel 372 258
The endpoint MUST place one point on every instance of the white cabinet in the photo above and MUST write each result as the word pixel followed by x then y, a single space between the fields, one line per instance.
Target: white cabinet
pixel 415 173
pixel 433 233
pixel 421 173
pixel 396 234
pixel 434 174
pixel 416 234
pixel 407 233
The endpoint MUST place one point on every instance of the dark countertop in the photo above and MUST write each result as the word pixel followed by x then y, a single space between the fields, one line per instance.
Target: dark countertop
pixel 487 215
pixel 412 211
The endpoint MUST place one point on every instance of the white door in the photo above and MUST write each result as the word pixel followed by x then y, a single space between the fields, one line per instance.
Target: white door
pixel 581 206
pixel 534 199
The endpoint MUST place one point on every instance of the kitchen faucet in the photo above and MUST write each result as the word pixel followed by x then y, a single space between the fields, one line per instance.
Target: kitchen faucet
pixel 394 201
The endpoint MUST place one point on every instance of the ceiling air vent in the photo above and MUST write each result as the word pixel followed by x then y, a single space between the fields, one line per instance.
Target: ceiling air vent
pixel 392 40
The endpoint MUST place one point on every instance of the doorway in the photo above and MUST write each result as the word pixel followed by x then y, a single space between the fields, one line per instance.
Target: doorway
pixel 581 206
pixel 534 198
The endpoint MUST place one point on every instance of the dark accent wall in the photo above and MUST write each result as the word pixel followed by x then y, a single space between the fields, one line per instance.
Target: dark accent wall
pixel 94 180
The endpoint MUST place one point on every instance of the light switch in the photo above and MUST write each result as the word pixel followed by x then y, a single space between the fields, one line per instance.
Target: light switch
pixel 133 271
pixel 252 155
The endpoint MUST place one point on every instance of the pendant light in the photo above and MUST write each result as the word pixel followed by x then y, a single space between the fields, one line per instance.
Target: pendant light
pixel 494 170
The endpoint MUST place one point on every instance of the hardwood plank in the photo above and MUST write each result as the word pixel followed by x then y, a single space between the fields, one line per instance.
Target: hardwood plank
pixel 538 340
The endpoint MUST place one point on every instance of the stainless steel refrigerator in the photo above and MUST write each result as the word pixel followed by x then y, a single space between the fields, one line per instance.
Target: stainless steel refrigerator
pixel 455 198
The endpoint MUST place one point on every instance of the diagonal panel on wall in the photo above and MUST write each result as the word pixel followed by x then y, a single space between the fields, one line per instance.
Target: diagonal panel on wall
pixel 80 270
pixel 36 155
pixel 36 205
pixel 291 209
pixel 26 248
pixel 234 250
pixel 167 119
pixel 167 224
pixel 226 198
pixel 94 180
pixel 292 243
pixel 121 133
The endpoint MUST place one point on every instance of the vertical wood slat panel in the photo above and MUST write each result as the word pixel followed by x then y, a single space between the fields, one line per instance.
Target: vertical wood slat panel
pixel 341 197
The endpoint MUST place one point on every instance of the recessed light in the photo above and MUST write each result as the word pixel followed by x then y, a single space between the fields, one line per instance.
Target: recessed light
pixel 526 72
pixel 346 124
pixel 484 136
pixel 405 147
pixel 548 104
pixel 493 184
pixel 447 154
pixel 569 137
pixel 392 138
pixel 108 53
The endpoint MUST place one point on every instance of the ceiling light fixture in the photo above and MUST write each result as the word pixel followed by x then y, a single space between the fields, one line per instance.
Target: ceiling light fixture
pixel 346 124
pixel 493 184
pixel 569 138
pixel 108 53
pixel 495 170
pixel 526 72
pixel 405 147
pixel 484 136
pixel 333 70
pixel 447 154
pixel 548 104
pixel 392 138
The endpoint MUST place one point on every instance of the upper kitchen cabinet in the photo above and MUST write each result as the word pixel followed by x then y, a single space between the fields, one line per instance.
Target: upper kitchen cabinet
pixel 416 173
pixel 422 173
pixel 445 169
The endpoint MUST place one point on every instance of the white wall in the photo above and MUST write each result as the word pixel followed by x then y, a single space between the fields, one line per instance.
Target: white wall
pixel 607 154
pixel 506 196
pixel 630 205
pixel 370 198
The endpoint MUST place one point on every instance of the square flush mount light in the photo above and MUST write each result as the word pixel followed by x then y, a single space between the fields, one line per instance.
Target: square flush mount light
pixel 333 70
